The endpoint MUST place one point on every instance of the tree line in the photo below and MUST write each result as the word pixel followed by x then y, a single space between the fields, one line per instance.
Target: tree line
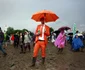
pixel 11 30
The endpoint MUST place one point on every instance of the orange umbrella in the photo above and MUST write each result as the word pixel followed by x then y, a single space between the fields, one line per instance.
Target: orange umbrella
pixel 49 16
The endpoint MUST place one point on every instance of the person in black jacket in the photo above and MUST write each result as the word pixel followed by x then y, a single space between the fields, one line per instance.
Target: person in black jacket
pixel 21 42
pixel 1 41
pixel 70 40
pixel 16 40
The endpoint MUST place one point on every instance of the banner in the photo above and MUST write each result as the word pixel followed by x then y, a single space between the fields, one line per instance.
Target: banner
pixel 74 28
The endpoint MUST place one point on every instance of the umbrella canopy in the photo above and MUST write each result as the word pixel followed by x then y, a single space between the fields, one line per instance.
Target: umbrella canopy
pixel 57 32
pixel 49 16
pixel 70 33
pixel 64 28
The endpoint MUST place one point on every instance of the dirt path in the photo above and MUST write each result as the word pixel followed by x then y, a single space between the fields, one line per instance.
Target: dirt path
pixel 68 60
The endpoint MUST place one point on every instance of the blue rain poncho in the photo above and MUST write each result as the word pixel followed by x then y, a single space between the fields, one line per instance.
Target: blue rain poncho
pixel 77 43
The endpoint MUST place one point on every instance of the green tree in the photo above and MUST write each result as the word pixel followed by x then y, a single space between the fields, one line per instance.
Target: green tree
pixel 10 30
pixel 24 30
pixel 19 31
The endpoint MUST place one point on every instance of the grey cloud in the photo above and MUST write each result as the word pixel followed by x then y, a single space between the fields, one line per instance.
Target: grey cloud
pixel 17 13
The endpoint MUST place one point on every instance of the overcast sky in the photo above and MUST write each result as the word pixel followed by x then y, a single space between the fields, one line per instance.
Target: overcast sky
pixel 17 13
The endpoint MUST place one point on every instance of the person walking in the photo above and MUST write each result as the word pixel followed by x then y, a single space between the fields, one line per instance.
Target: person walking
pixel 60 41
pixel 16 40
pixel 1 42
pixel 21 42
pixel 27 42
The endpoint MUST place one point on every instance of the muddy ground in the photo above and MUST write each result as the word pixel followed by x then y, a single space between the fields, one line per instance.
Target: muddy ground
pixel 67 60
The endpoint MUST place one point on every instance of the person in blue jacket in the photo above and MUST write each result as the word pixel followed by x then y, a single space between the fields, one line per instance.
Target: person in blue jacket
pixel 77 44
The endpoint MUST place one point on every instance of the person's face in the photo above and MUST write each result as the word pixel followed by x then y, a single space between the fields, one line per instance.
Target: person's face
pixel 71 35
pixel 76 36
pixel 20 34
pixel 25 33
pixel 42 21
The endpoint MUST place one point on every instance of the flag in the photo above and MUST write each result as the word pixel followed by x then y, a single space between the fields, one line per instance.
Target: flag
pixel 74 28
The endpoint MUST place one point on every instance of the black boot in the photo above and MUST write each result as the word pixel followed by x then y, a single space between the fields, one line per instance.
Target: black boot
pixel 25 48
pixel 21 49
pixel 33 61
pixel 5 54
pixel 81 50
pixel 29 47
pixel 43 60
pixel 61 50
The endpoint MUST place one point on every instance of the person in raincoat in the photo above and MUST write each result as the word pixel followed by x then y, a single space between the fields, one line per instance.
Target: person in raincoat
pixel 6 40
pixel 77 44
pixel 60 41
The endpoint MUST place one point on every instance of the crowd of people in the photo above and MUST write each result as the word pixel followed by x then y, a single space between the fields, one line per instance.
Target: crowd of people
pixel 19 39
pixel 76 41
pixel 40 41
pixel 24 39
